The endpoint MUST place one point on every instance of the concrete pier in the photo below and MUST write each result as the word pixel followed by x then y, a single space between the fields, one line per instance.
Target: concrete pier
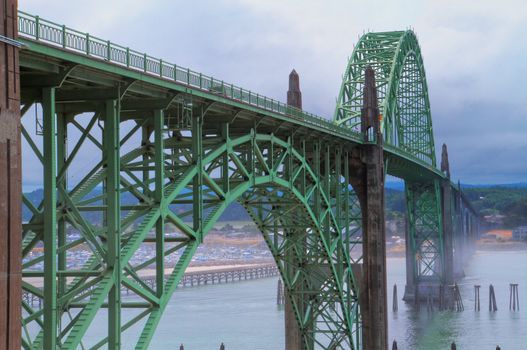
pixel 374 294
pixel 293 335
pixel 10 180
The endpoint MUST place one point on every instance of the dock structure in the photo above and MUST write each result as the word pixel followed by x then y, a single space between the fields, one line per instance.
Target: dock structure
pixel 196 276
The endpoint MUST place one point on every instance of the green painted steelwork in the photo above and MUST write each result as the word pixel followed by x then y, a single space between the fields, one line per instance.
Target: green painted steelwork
pixel 182 146
pixel 406 124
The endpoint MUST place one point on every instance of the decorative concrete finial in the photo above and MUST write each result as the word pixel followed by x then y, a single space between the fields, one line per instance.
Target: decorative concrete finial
pixel 445 167
pixel 370 117
pixel 294 95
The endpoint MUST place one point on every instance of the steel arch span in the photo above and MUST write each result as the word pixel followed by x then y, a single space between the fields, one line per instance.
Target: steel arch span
pixel 406 124
pixel 401 87
pixel 302 206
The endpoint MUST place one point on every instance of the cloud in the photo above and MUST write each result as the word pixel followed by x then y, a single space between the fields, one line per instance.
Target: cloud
pixel 473 52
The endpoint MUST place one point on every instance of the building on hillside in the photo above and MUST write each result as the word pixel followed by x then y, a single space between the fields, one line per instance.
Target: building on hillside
pixel 520 233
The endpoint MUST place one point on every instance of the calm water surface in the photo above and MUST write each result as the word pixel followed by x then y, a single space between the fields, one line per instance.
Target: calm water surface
pixel 244 315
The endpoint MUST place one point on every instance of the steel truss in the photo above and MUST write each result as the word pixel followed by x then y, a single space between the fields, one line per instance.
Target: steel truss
pixel 296 191
pixel 407 124
pixel 172 149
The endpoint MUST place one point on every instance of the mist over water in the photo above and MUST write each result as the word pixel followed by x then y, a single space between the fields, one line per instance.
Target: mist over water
pixel 244 315
pixel 469 329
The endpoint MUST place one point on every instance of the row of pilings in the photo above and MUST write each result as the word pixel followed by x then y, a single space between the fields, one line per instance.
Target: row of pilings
pixel 456 300
pixel 222 347
pixel 453 346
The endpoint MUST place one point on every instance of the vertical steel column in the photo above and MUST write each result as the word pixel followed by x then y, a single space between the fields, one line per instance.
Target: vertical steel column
pixel 50 219
pixel 145 143
pixel 62 137
pixel 225 158
pixel 159 196
pixel 197 157
pixel 293 334
pixel 113 220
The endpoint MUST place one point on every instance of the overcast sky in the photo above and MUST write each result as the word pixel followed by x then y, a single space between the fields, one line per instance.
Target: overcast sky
pixel 475 54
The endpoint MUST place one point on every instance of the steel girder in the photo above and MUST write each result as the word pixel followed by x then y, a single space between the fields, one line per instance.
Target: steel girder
pixel 407 125
pixel 177 182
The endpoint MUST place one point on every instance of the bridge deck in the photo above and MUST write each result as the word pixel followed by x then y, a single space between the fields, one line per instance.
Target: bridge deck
pixel 91 67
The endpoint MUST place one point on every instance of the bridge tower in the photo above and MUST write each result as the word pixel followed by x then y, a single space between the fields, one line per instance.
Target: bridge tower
pixel 368 182
pixel 293 336
pixel 10 180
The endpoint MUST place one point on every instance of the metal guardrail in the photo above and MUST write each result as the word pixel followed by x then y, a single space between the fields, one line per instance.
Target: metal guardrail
pixel 36 28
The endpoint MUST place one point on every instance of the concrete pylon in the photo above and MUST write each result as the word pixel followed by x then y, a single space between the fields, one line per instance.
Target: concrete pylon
pixel 294 95
pixel 293 335
pixel 371 194
pixel 448 232
pixel 10 180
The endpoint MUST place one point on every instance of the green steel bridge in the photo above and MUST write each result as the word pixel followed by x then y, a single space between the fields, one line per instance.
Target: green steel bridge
pixel 185 146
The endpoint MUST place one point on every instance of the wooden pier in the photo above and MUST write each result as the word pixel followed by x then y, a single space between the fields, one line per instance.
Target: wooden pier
pixel 195 276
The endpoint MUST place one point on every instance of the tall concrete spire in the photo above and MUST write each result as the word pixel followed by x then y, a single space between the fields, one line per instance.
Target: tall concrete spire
pixel 294 95
pixel 370 109
pixel 445 166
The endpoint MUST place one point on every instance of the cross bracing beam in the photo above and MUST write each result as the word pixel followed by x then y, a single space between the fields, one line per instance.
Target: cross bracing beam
pixel 296 209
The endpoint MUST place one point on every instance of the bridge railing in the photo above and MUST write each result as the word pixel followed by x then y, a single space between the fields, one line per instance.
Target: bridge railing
pixel 36 28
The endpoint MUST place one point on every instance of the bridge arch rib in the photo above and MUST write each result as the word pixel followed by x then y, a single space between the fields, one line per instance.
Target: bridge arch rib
pixel 402 91
pixel 281 183
pixel 406 125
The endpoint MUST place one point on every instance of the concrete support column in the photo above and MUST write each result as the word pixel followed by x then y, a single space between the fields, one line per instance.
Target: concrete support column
pixel 374 297
pixel 447 222
pixel 10 181
pixel 448 233
pixel 409 290
pixel 293 336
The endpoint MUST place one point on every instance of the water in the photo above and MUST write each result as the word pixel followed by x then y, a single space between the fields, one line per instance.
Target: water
pixel 244 315
pixel 469 329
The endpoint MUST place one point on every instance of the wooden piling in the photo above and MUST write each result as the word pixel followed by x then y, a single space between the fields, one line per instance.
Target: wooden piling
pixel 394 345
pixel 453 346
pixel 395 305
pixel 429 303
pixel 280 293
pixel 492 299
pixel 514 300
pixel 476 298
pixel 457 297
pixel 441 300
pixel 416 298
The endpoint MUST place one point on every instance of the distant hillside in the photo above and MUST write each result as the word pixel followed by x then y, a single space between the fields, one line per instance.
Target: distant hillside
pixel 513 185
pixel 395 206
pixel 507 200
